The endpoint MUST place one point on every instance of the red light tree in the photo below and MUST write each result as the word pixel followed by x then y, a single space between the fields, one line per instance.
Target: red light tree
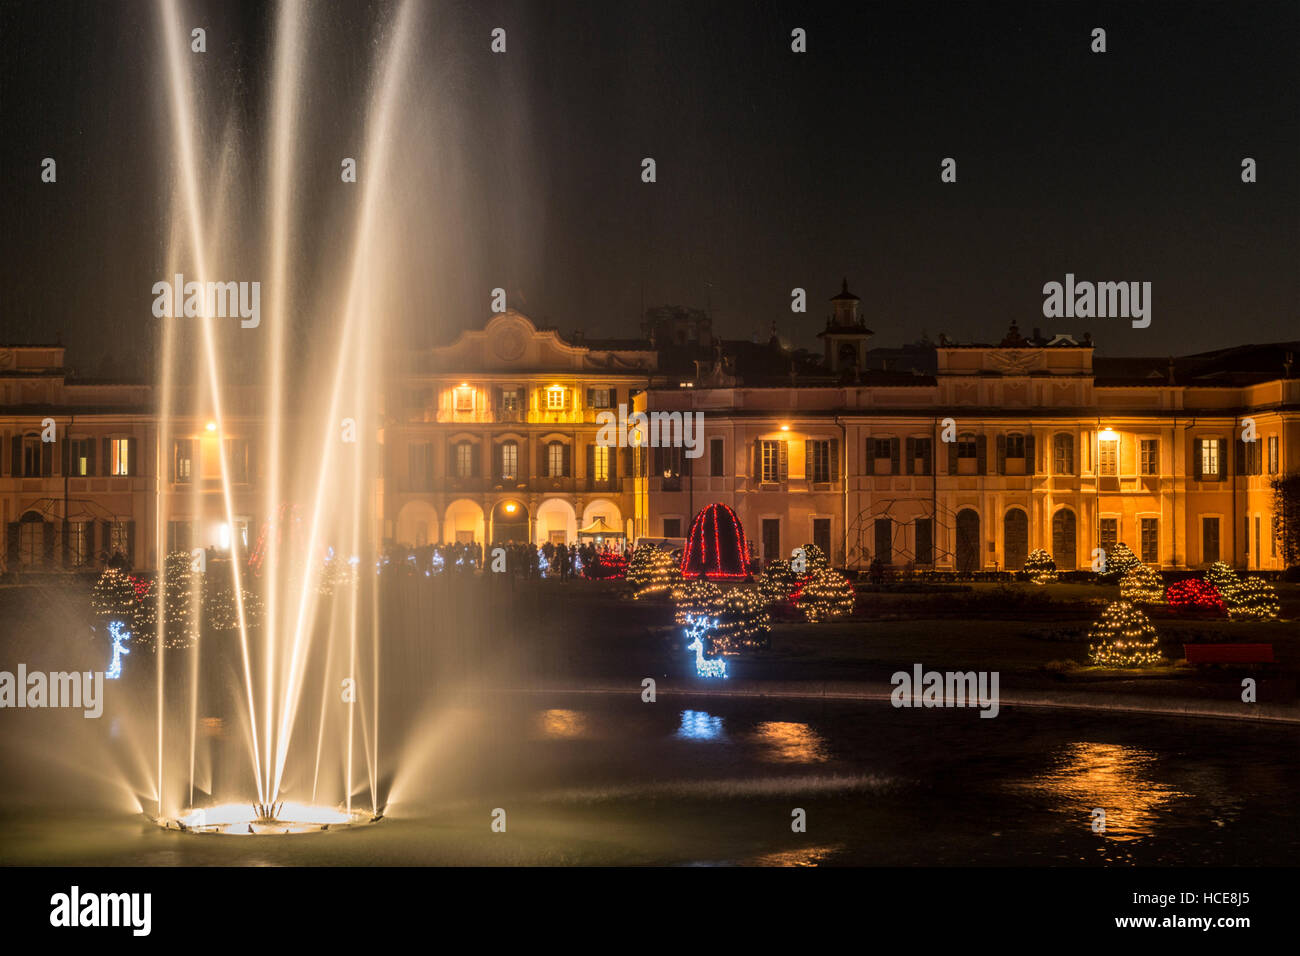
pixel 716 546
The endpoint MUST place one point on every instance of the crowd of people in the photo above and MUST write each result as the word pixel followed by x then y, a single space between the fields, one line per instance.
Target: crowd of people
pixel 520 559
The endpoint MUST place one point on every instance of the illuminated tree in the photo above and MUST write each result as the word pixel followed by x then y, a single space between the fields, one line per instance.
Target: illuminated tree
pixel 1119 562
pixel 1040 567
pixel 1253 600
pixel 1142 585
pixel 652 571
pixel 814 558
pixel 743 622
pixel 777 582
pixel 179 601
pixel 1224 579
pixel 695 598
pixel 1194 594
pixel 826 595
pixel 1123 637
pixel 114 596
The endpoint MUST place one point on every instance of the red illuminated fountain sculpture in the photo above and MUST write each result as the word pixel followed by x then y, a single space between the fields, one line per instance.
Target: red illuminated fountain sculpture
pixel 716 546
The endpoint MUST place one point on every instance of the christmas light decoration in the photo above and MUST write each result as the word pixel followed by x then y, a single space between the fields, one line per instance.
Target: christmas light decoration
pixel 1142 585
pixel 696 627
pixel 777 583
pixel 814 559
pixel 1253 599
pixel 118 635
pixel 1124 637
pixel 741 621
pixel 716 546
pixel 694 598
pixel 115 594
pixel 180 626
pixel 1040 567
pixel 1224 579
pixel 608 564
pixel 1119 562
pixel 826 595
pixel 653 571
pixel 1194 594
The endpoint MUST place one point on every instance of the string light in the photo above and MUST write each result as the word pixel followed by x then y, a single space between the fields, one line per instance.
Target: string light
pixel 1253 600
pixel 1125 638
pixel 118 637
pixel 777 582
pixel 694 598
pixel 1040 566
pixel 1194 594
pixel 1224 579
pixel 652 571
pixel 696 627
pixel 1142 585
pixel 741 621
pixel 825 595
pixel 708 526
pixel 1120 560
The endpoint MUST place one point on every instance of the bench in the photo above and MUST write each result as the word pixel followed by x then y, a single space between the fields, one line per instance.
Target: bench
pixel 1229 653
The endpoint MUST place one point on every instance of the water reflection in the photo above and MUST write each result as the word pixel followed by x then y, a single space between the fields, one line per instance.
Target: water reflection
pixel 561 724
pixel 806 856
pixel 700 725
pixel 788 742
pixel 1114 777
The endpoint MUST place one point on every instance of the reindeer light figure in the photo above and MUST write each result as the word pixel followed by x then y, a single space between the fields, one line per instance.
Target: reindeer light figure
pixel 696 627
pixel 118 636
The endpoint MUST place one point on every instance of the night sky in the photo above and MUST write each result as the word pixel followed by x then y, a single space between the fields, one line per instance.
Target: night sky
pixel 775 169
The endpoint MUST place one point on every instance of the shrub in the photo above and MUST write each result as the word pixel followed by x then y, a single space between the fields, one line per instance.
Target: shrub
pixel 1124 637
pixel 826 595
pixel 1142 585
pixel 743 621
pixel 1253 600
pixel 1194 594
pixel 1119 562
pixel 1040 566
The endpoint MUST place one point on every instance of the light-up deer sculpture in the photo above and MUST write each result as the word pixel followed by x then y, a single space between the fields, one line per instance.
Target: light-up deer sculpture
pixel 696 627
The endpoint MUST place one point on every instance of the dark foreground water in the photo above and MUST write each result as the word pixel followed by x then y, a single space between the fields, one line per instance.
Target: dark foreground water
pixel 594 779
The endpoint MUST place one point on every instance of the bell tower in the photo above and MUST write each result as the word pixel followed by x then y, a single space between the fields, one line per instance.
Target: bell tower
pixel 845 336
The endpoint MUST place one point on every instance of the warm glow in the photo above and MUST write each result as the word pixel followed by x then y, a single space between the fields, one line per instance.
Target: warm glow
pixel 510 508
pixel 1108 434
pixel 785 428
pixel 211 426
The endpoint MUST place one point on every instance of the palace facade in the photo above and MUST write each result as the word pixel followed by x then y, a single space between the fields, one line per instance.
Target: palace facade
pixel 939 455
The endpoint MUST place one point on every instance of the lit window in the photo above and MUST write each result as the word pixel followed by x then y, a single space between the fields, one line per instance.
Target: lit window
pixel 770 460
pixel 464 460
pixel 80 457
pixel 1210 458
pixel 1063 454
pixel 600 463
pixel 555 460
pixel 600 398
pixel 1108 457
pixel 119 456
pixel 464 399
pixel 510 461
pixel 183 466
pixel 555 398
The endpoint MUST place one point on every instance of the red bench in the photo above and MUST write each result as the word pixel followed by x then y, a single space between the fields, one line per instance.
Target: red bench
pixel 1229 653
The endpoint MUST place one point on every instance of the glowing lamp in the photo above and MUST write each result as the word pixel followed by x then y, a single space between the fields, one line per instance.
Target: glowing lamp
pixel 211 426
pixel 1108 434
pixel 510 508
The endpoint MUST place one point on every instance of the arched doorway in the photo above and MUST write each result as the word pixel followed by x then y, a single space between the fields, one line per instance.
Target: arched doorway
pixel 509 522
pixel 1063 540
pixel 417 524
pixel 463 523
pixel 1015 539
pixel 557 522
pixel 968 540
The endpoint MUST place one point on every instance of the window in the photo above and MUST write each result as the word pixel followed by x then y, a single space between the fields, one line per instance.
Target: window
pixel 464 460
pixel 668 465
pixel 420 460
pixel 510 461
pixel 119 457
pixel 1150 540
pixel 1252 458
pixel 598 397
pixel 237 459
pixel 822 534
pixel 771 458
pixel 31 541
pixel 1245 536
pixel 924 541
pixel 180 536
pixel 1108 457
pixel 1109 534
pixel 884 533
pixel 818 466
pixel 672 527
pixel 119 538
pixel 555 460
pixel 600 463
pixel 555 398
pixel 922 455
pixel 1272 455
pixel 1210 465
pixel 1015 446
pixel 717 457
pixel 1209 540
pixel 80 460
pixel 510 401
pixel 1150 456
pixel 1063 454
pixel 771 539
pixel 967 455
pixel 464 398
pixel 882 448
pixel 182 460
pixel 78 542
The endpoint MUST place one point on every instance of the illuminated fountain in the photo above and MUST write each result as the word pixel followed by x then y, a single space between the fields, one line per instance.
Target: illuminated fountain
pixel 271 724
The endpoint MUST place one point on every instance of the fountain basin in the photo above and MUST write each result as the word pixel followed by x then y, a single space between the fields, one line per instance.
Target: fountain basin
pixel 244 819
